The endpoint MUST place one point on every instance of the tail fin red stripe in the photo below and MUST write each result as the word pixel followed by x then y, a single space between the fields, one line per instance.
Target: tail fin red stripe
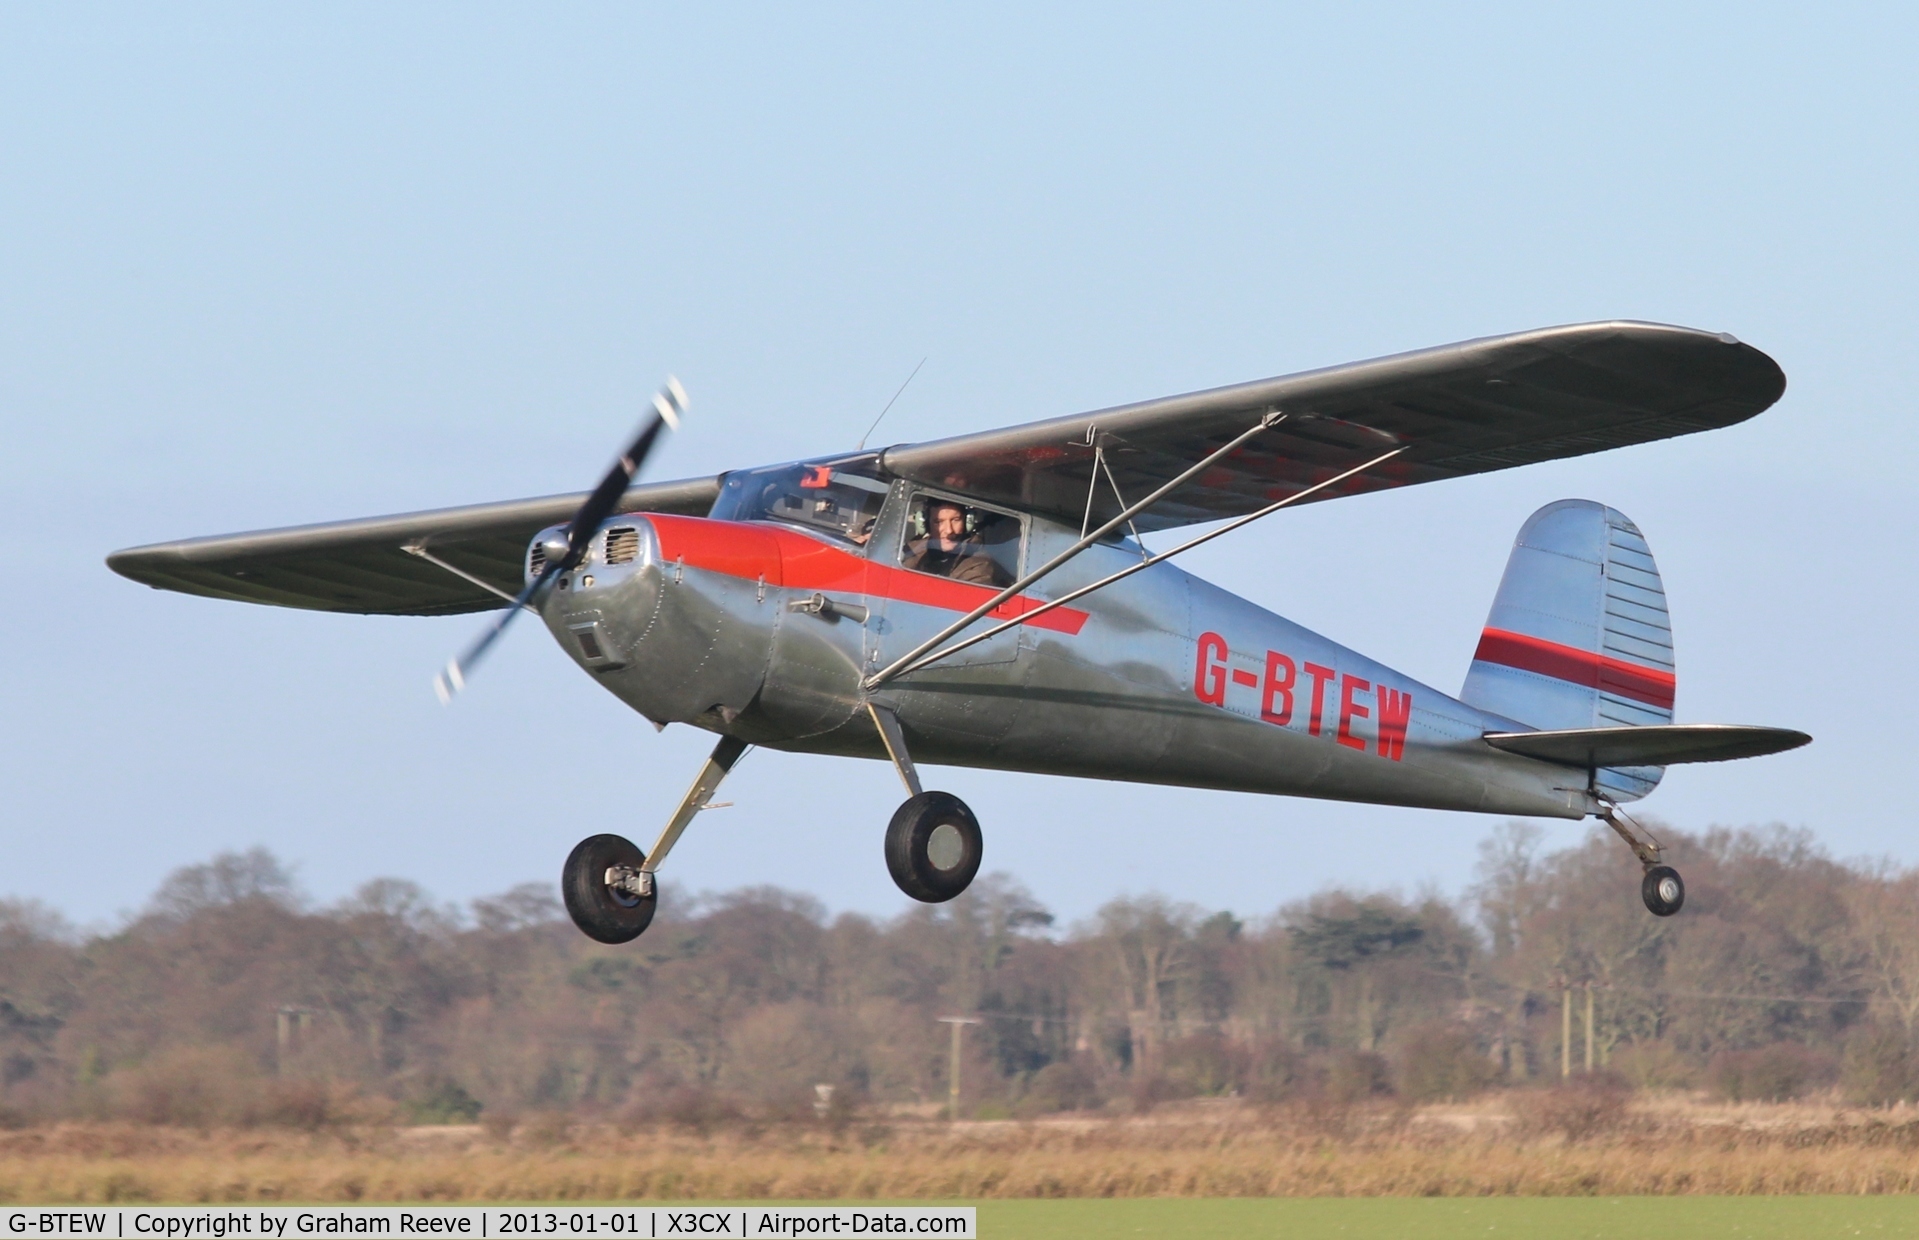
pixel 1651 685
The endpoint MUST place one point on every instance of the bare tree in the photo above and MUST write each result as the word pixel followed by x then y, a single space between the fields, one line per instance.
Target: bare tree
pixel 1885 917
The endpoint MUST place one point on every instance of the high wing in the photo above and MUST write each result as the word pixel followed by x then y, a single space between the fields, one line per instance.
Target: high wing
pixel 1456 410
pixel 363 566
pixel 1459 409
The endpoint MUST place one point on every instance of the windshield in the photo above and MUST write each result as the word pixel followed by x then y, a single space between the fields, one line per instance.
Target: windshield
pixel 839 498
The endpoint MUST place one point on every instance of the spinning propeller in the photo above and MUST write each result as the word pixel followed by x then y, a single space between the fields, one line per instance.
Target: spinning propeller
pixel 563 554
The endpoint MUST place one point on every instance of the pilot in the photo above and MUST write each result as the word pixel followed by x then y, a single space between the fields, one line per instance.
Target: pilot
pixel 947 552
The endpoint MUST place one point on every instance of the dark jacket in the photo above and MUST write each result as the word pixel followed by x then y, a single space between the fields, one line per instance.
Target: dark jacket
pixel 964 563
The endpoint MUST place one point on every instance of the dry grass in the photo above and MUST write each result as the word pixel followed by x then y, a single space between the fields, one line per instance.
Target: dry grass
pixel 1219 1152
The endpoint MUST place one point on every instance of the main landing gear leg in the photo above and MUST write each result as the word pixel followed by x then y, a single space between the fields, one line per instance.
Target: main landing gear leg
pixel 933 843
pixel 608 882
pixel 1662 889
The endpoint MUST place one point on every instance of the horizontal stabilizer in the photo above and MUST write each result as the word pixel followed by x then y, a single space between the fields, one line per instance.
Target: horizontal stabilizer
pixel 1660 745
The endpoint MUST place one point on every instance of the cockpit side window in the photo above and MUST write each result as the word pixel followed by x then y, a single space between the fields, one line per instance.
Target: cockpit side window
pixel 962 541
pixel 838 499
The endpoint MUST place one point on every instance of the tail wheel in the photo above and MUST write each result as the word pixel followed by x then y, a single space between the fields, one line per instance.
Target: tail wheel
pixel 608 914
pixel 933 847
pixel 1663 890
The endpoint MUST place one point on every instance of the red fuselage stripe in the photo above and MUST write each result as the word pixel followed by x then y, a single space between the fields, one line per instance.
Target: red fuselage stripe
pixel 788 558
pixel 1651 685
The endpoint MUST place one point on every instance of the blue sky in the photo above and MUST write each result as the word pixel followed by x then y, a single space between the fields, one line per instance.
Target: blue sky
pixel 269 264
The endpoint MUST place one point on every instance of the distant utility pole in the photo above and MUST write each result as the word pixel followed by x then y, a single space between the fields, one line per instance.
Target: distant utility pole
pixel 1565 1030
pixel 290 1030
pixel 953 1072
pixel 1589 1028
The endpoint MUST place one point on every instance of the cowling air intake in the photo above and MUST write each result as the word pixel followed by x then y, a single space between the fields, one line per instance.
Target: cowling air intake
pixel 1579 636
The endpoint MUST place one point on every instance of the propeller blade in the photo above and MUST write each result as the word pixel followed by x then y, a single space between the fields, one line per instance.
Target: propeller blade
pixel 452 678
pixel 668 404
pixel 605 497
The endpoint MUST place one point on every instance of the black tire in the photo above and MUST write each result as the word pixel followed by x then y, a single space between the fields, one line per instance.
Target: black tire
pixel 1663 890
pixel 933 847
pixel 599 911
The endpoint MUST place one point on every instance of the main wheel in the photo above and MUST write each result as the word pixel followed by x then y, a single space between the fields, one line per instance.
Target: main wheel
pixel 933 847
pixel 600 911
pixel 1663 890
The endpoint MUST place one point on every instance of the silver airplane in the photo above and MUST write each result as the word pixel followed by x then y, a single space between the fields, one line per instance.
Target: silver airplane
pixel 988 600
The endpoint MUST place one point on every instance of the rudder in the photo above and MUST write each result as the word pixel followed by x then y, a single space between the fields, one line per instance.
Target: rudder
pixel 1579 635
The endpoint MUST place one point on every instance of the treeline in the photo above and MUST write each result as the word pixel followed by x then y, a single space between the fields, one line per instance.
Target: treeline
pixel 232 999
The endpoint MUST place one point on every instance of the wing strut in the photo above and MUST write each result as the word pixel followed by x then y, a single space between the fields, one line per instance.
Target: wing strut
pixel 419 549
pixel 1146 563
pixel 1267 421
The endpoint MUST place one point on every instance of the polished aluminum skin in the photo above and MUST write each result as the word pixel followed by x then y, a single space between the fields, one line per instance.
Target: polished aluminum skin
pixel 1168 679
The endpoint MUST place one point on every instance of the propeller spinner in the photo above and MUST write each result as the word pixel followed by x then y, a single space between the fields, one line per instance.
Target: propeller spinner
pixel 668 405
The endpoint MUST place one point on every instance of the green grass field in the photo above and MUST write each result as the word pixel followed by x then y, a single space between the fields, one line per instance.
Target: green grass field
pixel 1521 1218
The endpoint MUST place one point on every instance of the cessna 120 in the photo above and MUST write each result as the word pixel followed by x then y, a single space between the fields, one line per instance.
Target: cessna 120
pixel 988 600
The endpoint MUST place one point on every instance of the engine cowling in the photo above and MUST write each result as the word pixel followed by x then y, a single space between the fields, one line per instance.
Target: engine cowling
pixel 680 642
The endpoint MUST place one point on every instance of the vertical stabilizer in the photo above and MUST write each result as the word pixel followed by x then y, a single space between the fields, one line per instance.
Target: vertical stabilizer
pixel 1578 636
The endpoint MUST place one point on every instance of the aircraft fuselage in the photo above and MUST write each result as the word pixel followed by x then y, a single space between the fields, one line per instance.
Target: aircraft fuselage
pixel 765 632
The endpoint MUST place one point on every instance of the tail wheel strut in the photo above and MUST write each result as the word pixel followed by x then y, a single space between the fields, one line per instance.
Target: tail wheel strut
pixel 1661 888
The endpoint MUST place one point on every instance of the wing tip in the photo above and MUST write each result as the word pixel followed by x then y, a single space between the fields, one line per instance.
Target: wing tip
pixel 141 564
pixel 1743 380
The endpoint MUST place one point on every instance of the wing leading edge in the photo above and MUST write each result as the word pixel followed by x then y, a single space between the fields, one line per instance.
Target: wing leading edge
pixel 1460 409
pixel 363 566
